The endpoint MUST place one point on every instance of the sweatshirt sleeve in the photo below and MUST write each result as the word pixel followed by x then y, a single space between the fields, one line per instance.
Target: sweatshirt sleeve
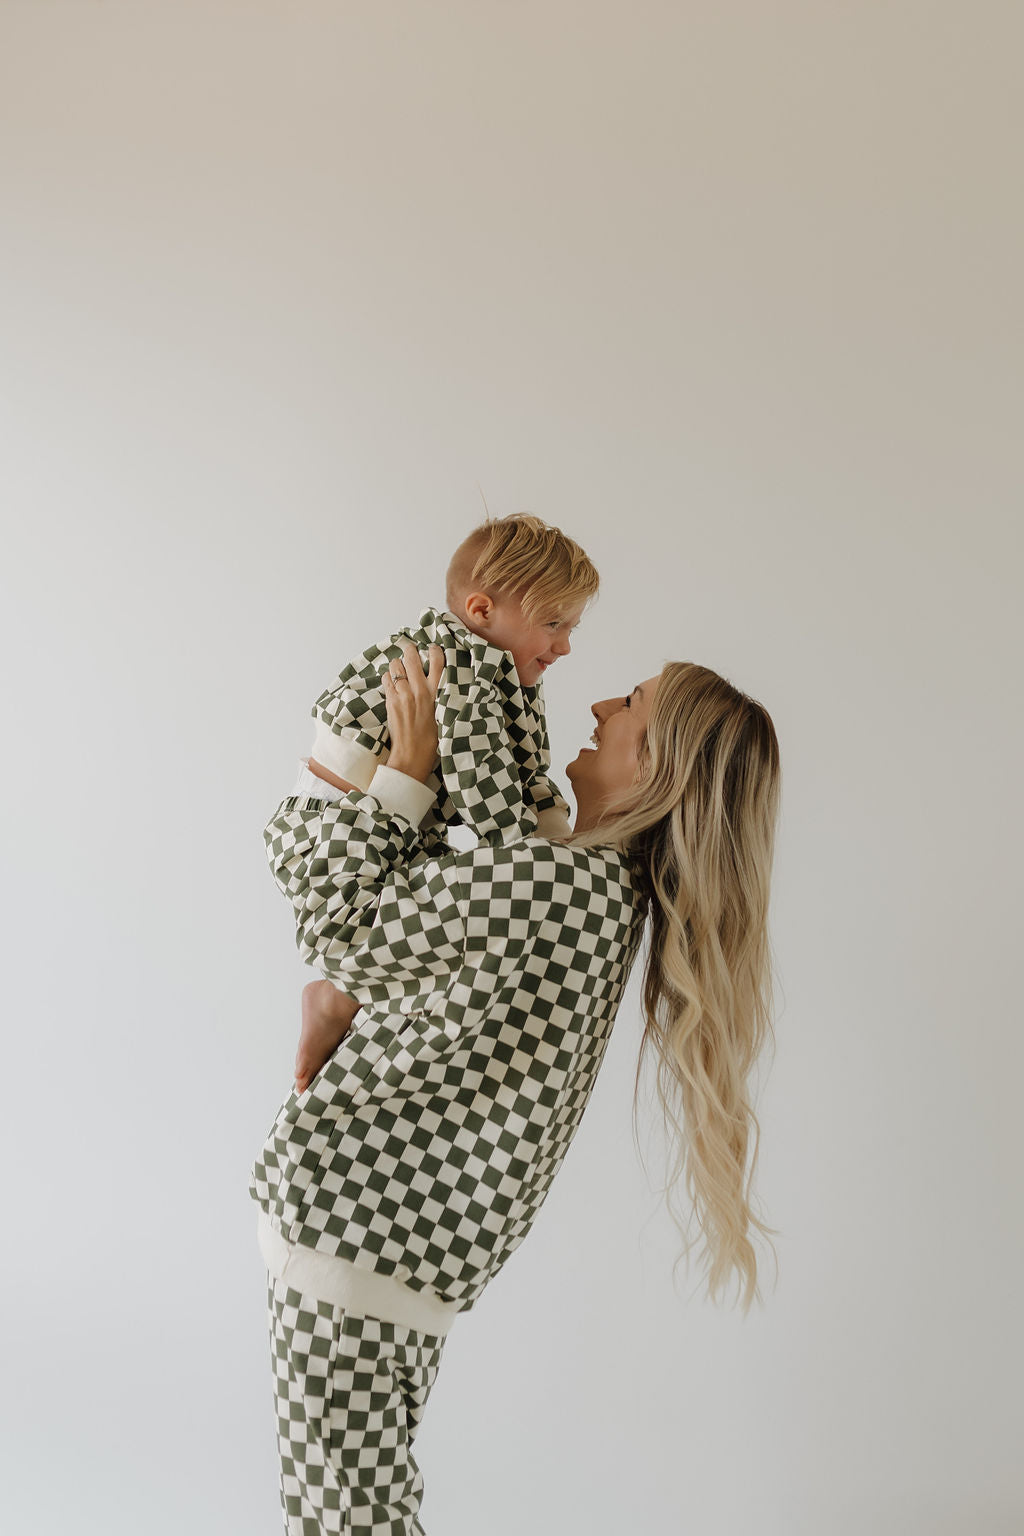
pixel 477 764
pixel 350 719
pixel 382 924
pixel 540 792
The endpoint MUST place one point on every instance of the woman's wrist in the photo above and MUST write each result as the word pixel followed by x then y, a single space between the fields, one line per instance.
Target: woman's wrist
pixel 410 767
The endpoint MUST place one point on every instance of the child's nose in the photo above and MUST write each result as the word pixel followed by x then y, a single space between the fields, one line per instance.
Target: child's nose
pixel 561 645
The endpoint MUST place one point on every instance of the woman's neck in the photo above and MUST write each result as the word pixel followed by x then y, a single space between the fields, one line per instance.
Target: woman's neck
pixel 588 813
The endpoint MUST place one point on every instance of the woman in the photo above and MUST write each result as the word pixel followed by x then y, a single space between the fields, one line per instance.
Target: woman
pixel 399 1182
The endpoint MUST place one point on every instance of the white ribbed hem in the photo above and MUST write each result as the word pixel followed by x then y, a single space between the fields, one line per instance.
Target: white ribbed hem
pixel 399 793
pixel 360 1292
pixel 553 824
pixel 345 757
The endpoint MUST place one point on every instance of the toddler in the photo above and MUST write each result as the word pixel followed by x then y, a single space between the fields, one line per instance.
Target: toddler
pixel 516 589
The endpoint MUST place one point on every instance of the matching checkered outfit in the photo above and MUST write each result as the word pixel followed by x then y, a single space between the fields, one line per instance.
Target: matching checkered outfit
pixel 350 1393
pixel 420 1155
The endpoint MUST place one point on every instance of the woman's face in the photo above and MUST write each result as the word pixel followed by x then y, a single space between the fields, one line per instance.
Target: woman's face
pixel 611 765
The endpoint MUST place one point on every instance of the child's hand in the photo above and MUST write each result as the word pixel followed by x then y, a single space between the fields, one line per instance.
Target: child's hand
pixel 410 697
pixel 327 1016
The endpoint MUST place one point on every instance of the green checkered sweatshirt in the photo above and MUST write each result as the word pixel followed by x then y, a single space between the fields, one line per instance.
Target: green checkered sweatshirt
pixel 482 711
pixel 488 982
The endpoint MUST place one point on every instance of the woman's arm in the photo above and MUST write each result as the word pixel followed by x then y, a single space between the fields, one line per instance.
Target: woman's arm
pixel 376 928
pixel 378 925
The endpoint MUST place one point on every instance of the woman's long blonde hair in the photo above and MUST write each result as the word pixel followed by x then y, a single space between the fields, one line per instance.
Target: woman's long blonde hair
pixel 700 820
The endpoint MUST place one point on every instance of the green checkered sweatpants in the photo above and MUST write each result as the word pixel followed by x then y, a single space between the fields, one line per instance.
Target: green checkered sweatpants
pixel 350 1393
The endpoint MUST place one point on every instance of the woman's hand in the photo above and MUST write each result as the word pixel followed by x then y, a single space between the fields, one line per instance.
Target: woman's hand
pixel 327 1016
pixel 410 695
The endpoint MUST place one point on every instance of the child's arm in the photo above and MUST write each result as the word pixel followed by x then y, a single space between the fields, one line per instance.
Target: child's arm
pixel 477 763
pixel 539 790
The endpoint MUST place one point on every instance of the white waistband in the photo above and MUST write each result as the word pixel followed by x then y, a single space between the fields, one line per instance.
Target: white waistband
pixel 362 1292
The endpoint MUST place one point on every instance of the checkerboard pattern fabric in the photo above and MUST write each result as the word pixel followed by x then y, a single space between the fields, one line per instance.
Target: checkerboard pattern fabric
pixel 488 982
pixel 493 770
pixel 349 1394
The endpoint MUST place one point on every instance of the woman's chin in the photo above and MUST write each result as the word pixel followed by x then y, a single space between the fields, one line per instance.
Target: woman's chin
pixel 578 762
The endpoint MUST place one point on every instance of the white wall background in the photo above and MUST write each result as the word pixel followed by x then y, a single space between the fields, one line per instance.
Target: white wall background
pixel 731 291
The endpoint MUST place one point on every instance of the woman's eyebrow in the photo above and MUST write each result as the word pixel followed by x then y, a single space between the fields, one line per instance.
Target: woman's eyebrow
pixel 638 690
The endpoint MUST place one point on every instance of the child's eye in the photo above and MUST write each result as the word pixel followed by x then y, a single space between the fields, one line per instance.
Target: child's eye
pixel 553 624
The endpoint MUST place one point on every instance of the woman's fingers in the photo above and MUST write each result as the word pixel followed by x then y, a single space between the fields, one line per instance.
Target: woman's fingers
pixel 436 671
pixel 409 668
pixel 410 695
pixel 413 664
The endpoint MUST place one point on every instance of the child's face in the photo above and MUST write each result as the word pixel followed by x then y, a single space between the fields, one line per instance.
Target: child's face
pixel 534 647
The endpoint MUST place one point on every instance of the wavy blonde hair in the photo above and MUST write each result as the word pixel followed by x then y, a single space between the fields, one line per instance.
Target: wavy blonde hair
pixel 700 821
pixel 522 557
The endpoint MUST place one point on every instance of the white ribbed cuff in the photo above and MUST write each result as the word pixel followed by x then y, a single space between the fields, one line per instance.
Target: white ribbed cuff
pixel 400 795
pixel 345 757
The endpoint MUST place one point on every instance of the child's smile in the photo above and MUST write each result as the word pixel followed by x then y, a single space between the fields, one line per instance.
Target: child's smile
pixel 534 647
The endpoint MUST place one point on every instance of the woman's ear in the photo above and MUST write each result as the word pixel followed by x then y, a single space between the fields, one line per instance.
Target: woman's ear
pixel 643 758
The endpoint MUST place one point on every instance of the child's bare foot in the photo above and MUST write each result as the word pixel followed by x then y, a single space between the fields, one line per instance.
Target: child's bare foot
pixel 327 1015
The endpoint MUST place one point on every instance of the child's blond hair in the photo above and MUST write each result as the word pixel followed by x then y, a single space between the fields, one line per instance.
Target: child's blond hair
pixel 522 557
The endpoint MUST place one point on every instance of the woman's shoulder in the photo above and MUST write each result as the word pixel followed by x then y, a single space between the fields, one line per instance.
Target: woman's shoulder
pixel 540 865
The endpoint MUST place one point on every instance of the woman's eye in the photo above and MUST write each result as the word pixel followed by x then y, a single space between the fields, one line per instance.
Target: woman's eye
pixel 628 702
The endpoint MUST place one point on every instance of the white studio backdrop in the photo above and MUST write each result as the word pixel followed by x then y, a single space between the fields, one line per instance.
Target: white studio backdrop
pixel 731 292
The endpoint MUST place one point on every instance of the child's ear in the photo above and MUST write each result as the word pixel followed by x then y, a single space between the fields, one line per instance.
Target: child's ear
pixel 479 608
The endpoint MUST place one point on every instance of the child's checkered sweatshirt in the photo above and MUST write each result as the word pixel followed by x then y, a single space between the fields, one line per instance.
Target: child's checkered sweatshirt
pixel 488 982
pixel 493 755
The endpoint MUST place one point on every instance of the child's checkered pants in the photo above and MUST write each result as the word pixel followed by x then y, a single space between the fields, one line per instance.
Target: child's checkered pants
pixel 350 1393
